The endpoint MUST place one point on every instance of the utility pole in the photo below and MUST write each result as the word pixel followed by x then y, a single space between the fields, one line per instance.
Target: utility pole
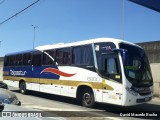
pixel 34 27
pixel 122 19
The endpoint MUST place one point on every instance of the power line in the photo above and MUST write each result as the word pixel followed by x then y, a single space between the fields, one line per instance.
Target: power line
pixel 2 1
pixel 19 12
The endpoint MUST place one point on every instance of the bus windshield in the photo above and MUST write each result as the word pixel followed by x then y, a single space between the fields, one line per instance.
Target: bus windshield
pixel 136 65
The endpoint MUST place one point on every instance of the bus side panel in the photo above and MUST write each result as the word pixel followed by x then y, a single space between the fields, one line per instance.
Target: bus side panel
pixel 50 88
pixel 112 92
pixel 11 83
pixel 78 77
pixel 12 75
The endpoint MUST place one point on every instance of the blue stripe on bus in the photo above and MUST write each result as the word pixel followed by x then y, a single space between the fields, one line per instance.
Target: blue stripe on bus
pixel 32 72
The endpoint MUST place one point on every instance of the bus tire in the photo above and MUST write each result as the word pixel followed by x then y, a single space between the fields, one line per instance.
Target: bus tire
pixel 23 88
pixel 87 98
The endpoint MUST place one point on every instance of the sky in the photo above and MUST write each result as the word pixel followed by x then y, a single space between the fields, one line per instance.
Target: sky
pixel 64 21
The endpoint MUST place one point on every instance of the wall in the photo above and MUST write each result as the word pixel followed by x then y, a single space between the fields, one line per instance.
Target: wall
pixel 155 68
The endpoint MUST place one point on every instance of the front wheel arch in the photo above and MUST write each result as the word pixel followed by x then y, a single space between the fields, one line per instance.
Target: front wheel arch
pixel 86 96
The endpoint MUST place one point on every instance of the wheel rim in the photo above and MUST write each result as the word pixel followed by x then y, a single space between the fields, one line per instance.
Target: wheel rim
pixel 22 87
pixel 87 98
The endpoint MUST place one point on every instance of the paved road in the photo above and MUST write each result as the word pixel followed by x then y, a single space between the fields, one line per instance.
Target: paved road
pixel 64 106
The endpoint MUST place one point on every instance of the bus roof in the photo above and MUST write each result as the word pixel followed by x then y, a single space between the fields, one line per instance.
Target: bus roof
pixel 14 53
pixel 62 45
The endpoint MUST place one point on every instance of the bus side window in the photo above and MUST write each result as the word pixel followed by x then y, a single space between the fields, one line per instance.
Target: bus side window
pixel 87 55
pixel 66 56
pixel 27 59
pixel 12 60
pixel 63 56
pixel 76 55
pixel 46 57
pixel 36 59
pixel 6 61
pixel 82 55
pixel 18 60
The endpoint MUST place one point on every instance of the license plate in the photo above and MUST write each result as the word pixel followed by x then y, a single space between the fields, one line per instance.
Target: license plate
pixel 147 99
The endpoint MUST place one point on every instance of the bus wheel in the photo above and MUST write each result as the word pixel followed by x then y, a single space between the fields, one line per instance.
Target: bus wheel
pixel 23 87
pixel 88 98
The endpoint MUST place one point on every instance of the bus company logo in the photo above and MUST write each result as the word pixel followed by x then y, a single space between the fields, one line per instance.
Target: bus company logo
pixel 57 72
pixel 142 90
pixel 93 79
pixel 108 48
pixel 20 73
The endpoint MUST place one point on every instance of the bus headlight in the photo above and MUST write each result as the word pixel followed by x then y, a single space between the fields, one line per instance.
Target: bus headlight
pixel 131 91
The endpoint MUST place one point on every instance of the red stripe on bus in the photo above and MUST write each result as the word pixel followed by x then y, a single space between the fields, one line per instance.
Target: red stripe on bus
pixel 58 72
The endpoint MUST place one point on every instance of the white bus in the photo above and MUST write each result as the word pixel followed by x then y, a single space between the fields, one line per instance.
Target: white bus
pixel 101 70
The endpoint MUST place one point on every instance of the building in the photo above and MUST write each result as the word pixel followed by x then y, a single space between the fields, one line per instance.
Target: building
pixel 152 50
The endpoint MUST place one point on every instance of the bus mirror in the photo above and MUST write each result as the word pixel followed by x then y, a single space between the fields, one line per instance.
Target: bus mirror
pixel 123 53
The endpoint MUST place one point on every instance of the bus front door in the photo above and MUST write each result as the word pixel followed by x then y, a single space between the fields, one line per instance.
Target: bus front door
pixel 112 82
